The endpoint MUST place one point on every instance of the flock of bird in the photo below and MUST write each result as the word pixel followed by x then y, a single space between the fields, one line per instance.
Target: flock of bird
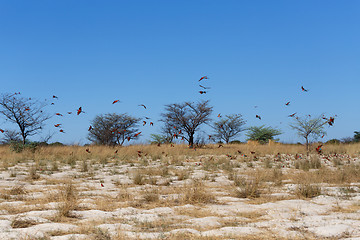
pixel 177 134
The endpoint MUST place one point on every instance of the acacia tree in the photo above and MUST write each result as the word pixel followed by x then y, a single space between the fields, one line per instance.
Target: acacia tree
pixel 308 127
pixel 262 134
pixel 28 114
pixel 357 136
pixel 112 129
pixel 229 127
pixel 186 118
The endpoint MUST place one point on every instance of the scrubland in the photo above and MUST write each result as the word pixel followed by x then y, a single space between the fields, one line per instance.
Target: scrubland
pixel 235 191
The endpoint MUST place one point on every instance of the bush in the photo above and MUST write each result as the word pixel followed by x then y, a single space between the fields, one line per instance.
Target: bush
pixel 333 141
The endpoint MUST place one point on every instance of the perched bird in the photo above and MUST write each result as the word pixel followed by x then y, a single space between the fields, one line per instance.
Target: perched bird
pixel 219 115
pixel 116 151
pixel 57 125
pixel 79 111
pixel 257 116
pixel 209 137
pixel 287 104
pixel 292 115
pixel 303 89
pixel 202 78
pixel 102 185
pixel 27 109
pixel 87 150
pixel 2 130
pixel 59 114
pixel 142 105
pixel 202 92
pixel 115 101
pixel 128 138
pixel 90 128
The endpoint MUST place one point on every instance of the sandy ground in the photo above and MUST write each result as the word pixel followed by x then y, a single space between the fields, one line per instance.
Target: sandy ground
pixel 104 203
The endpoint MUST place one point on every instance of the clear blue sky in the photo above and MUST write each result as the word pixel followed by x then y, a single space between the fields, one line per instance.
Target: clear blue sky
pixel 89 53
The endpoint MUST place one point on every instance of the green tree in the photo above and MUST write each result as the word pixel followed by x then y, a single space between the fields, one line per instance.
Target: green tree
pixel 262 134
pixel 229 127
pixel 356 136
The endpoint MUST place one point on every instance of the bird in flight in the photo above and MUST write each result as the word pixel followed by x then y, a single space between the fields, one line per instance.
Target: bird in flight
pixel 142 105
pixel 59 114
pixel 90 128
pixel 287 104
pixel 144 122
pixel 202 92
pixel 57 125
pixel 79 111
pixel 69 112
pixel 292 115
pixel 331 121
pixel 2 130
pixel 62 131
pixel 137 134
pixel 202 78
pixel 115 101
pixel 303 89
pixel 257 116
pixel 151 124
pixel 87 150
pixel 27 109
pixel 55 97
pixel 219 115
pixel 203 87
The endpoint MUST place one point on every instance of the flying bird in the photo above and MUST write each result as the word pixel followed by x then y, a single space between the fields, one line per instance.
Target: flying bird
pixel 87 150
pixel 79 111
pixel 292 115
pixel 144 122
pixel 115 101
pixel 202 78
pixel 62 131
pixel 1 130
pixel 55 97
pixel 303 89
pixel 69 112
pixel 287 104
pixel 151 124
pixel 59 114
pixel 203 87
pixel 142 105
pixel 257 116
pixel 27 109
pixel 137 134
pixel 219 115
pixel 57 125
pixel 90 128
pixel 202 92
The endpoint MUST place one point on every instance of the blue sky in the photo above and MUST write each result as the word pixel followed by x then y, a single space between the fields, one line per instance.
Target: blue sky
pixel 89 53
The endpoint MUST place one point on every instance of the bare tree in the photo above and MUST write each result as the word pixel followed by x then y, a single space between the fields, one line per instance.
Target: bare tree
pixel 308 127
pixel 185 118
pixel 228 127
pixel 112 129
pixel 10 136
pixel 28 114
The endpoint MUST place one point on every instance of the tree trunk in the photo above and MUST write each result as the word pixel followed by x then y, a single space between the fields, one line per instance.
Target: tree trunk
pixel 191 141
pixel 307 146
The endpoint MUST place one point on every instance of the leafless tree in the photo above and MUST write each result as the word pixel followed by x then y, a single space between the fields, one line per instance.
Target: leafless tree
pixel 185 118
pixel 11 136
pixel 112 129
pixel 228 127
pixel 308 127
pixel 28 114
